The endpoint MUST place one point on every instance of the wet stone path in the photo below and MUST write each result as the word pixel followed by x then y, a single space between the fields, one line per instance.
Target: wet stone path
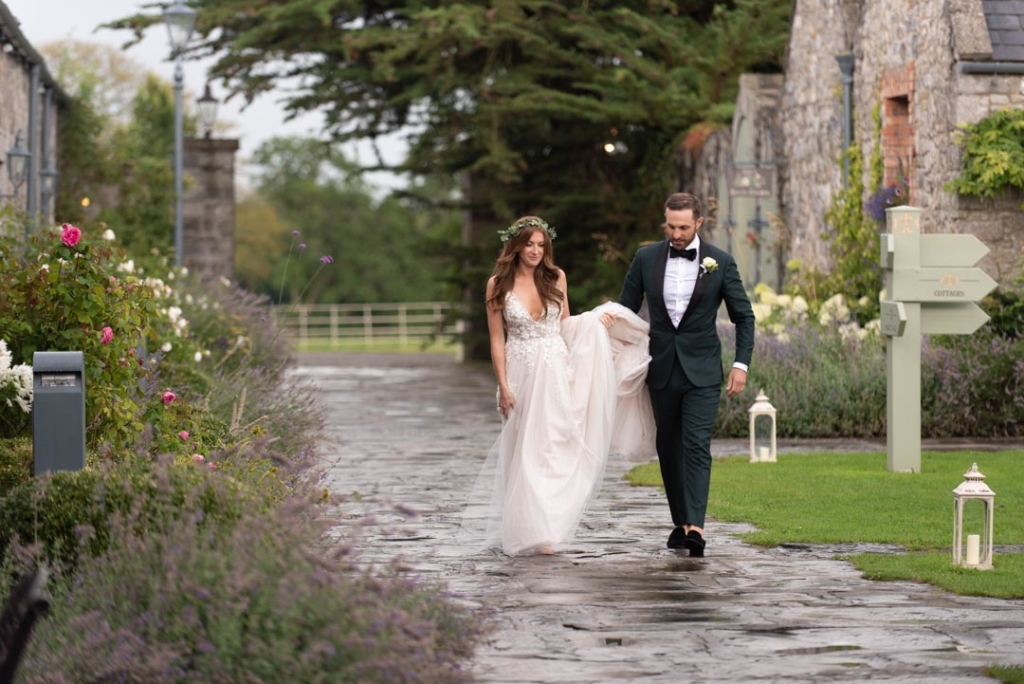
pixel 409 432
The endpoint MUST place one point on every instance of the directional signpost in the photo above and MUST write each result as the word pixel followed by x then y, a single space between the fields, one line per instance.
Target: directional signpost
pixel 931 287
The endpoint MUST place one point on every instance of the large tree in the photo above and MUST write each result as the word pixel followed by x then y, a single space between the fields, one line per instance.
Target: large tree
pixel 518 97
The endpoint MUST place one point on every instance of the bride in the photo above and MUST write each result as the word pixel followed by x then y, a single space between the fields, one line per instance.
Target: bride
pixel 570 391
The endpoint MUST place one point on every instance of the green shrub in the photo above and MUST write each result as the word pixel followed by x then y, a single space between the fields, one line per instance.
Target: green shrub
pixel 61 297
pixel 69 513
pixel 250 603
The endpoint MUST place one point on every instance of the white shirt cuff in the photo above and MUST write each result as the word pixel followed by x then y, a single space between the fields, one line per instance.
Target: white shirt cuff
pixel 742 366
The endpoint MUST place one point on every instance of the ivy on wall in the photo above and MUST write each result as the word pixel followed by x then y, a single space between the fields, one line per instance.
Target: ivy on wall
pixel 993 155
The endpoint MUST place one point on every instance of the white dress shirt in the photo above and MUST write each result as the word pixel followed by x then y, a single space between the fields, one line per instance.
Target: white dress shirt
pixel 680 279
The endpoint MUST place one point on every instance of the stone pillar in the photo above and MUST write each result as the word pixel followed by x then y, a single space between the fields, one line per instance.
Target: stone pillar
pixel 209 204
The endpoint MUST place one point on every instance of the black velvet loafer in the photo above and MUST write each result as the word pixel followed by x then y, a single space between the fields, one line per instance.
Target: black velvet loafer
pixel 695 543
pixel 677 540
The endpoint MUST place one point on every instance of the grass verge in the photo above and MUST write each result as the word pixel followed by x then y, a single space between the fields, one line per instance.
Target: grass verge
pixel 852 498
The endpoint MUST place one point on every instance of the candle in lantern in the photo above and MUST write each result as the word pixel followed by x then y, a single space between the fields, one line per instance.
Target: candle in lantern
pixel 973 550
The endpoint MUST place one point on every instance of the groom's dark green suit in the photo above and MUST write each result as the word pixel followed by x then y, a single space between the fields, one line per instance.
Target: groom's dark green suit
pixel 685 375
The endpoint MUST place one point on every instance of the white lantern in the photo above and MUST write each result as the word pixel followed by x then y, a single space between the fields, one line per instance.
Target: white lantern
pixel 762 430
pixel 979 547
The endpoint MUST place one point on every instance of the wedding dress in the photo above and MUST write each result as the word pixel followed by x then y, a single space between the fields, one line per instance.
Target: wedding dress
pixel 579 395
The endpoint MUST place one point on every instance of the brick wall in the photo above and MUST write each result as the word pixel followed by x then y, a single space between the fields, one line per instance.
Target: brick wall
pixel 897 126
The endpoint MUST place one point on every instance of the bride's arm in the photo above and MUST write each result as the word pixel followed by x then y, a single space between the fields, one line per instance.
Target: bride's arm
pixel 496 328
pixel 563 285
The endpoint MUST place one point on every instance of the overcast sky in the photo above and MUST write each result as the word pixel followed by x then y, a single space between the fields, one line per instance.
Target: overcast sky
pixel 45 21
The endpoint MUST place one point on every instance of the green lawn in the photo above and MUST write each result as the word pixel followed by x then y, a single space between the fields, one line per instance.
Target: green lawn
pixel 836 498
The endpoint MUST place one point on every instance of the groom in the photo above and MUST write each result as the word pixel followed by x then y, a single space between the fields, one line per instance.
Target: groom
pixel 685 281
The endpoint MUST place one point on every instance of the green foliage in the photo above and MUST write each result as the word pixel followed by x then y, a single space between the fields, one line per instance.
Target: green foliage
pixel 57 297
pixel 853 243
pixel 515 100
pixel 825 381
pixel 1009 674
pixel 188 599
pixel 70 513
pixel 993 155
pixel 306 186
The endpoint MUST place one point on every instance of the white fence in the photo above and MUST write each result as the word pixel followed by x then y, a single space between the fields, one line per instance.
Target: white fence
pixel 370 325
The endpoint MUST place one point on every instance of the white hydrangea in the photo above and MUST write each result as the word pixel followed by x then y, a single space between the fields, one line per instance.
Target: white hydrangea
pixel 834 310
pixel 15 381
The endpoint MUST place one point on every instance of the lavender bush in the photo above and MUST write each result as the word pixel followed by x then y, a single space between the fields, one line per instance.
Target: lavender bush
pixel 250 602
pixel 824 383
pixel 829 384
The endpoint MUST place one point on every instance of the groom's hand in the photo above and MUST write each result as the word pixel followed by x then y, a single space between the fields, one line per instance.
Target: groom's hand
pixel 737 381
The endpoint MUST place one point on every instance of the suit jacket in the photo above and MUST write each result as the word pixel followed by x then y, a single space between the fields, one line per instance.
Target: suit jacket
pixel 695 341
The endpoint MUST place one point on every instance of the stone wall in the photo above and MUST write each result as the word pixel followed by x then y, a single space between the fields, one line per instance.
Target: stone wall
pixel 906 61
pixel 812 130
pixel 17 61
pixel 209 207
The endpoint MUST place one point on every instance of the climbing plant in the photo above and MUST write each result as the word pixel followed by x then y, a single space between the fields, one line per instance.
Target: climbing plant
pixel 993 155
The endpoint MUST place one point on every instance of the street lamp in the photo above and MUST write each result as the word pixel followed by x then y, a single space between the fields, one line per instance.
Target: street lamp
pixel 180 20
pixel 207 105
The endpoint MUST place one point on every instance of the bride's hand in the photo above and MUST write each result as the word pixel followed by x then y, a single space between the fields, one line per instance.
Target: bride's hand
pixel 607 319
pixel 506 402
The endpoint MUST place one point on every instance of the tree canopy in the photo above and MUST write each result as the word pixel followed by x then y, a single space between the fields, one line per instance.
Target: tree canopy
pixel 519 98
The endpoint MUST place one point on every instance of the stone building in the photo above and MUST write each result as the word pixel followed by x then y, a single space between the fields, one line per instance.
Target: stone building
pixel 929 65
pixel 30 104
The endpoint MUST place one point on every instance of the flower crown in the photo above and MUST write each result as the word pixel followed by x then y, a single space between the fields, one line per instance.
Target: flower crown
pixel 514 229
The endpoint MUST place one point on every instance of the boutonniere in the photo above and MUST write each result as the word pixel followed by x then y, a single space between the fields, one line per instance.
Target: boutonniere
pixel 708 265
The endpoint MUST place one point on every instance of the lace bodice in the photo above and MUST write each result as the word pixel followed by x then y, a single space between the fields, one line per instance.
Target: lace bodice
pixel 527 339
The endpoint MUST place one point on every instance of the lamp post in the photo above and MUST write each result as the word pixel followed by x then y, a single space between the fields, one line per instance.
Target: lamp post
pixel 180 20
pixel 17 165
pixel 762 436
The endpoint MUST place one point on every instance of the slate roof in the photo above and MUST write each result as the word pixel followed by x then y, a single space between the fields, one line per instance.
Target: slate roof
pixel 1005 19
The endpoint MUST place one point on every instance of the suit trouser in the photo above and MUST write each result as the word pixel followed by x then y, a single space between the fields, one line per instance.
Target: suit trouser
pixel 685 417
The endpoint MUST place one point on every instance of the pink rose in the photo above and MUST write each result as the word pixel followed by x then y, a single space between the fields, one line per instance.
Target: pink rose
pixel 168 397
pixel 197 458
pixel 106 335
pixel 184 435
pixel 70 235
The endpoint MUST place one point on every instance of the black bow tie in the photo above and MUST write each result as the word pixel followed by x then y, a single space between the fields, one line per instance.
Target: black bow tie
pixel 690 254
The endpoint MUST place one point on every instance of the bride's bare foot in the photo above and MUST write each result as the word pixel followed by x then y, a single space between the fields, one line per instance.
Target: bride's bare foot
pixel 546 550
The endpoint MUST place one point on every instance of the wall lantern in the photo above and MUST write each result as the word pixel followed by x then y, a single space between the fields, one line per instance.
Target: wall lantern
pixel 17 165
pixel 979 547
pixel 207 105
pixel 762 430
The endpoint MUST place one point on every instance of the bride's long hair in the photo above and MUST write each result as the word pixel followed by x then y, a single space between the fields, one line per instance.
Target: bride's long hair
pixel 545 276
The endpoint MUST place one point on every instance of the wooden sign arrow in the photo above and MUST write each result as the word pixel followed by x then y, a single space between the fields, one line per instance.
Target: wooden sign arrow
pixel 951 319
pixel 951 250
pixel 893 318
pixel 940 284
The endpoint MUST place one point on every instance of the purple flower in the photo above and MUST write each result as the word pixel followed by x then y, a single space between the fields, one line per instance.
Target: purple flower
pixel 302 245
pixel 295 233
pixel 326 259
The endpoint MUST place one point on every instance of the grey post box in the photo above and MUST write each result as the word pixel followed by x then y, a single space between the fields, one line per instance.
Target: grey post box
pixel 58 411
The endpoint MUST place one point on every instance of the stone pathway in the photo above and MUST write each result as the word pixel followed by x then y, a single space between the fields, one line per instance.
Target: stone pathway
pixel 410 432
